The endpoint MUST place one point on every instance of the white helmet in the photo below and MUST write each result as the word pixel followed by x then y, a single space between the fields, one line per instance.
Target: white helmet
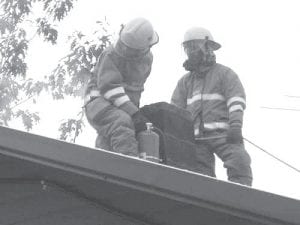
pixel 138 34
pixel 200 33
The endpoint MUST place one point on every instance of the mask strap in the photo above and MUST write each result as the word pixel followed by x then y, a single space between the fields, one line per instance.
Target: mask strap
pixel 122 28
pixel 206 43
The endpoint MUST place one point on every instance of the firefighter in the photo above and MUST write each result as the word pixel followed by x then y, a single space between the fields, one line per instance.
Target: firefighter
pixel 114 90
pixel 215 97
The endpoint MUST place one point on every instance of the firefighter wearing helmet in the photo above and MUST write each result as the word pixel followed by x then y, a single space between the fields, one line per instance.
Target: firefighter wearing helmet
pixel 215 97
pixel 113 93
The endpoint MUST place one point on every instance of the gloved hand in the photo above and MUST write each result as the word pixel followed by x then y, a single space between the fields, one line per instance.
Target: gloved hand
pixel 234 135
pixel 139 121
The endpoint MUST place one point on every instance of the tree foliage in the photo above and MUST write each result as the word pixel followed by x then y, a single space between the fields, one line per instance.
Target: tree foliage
pixel 18 27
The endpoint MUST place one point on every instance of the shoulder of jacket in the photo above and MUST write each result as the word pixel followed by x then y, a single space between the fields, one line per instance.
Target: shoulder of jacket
pixel 109 53
pixel 114 55
pixel 184 79
pixel 221 67
pixel 223 70
pixel 105 53
pixel 186 76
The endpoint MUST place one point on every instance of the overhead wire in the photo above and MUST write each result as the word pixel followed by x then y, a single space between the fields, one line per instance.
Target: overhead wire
pixel 255 145
pixel 273 156
pixel 292 96
pixel 278 108
pixel 265 151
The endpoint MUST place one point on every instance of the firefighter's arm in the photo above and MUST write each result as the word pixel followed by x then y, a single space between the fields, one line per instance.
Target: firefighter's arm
pixel 236 104
pixel 150 64
pixel 179 96
pixel 236 99
pixel 109 81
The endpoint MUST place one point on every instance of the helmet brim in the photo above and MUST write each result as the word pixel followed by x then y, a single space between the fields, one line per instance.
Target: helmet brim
pixel 214 45
pixel 155 39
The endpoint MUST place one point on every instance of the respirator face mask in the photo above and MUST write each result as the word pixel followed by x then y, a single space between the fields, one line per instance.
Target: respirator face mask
pixel 199 54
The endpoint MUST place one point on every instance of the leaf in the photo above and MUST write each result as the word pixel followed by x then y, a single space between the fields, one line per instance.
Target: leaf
pixel 45 29
pixel 5 25
pixel 68 77
pixel 28 118
pixel 71 128
pixel 58 9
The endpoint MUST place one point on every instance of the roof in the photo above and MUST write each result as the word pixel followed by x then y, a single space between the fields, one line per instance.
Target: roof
pixel 124 188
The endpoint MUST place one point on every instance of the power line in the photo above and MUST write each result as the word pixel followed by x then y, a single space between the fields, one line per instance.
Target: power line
pixel 292 96
pixel 280 160
pixel 278 108
pixel 22 101
pixel 255 145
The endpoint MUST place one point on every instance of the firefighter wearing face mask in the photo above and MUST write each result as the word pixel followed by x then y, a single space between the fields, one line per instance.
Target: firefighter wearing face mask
pixel 114 90
pixel 216 99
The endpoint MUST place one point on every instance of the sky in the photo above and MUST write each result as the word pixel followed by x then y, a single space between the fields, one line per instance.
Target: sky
pixel 260 42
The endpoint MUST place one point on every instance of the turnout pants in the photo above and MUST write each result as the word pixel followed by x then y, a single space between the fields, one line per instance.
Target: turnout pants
pixel 234 156
pixel 115 131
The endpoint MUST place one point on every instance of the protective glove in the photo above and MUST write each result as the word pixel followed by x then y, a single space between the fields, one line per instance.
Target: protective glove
pixel 139 121
pixel 234 135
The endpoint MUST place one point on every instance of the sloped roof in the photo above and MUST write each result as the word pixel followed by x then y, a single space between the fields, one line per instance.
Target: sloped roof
pixel 132 189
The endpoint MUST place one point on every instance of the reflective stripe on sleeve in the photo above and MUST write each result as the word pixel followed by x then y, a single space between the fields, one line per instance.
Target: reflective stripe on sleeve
pixel 93 93
pixel 115 91
pixel 236 99
pixel 235 108
pixel 121 100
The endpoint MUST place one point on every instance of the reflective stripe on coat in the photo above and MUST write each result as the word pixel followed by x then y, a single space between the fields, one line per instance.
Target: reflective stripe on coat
pixel 219 96
pixel 121 80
